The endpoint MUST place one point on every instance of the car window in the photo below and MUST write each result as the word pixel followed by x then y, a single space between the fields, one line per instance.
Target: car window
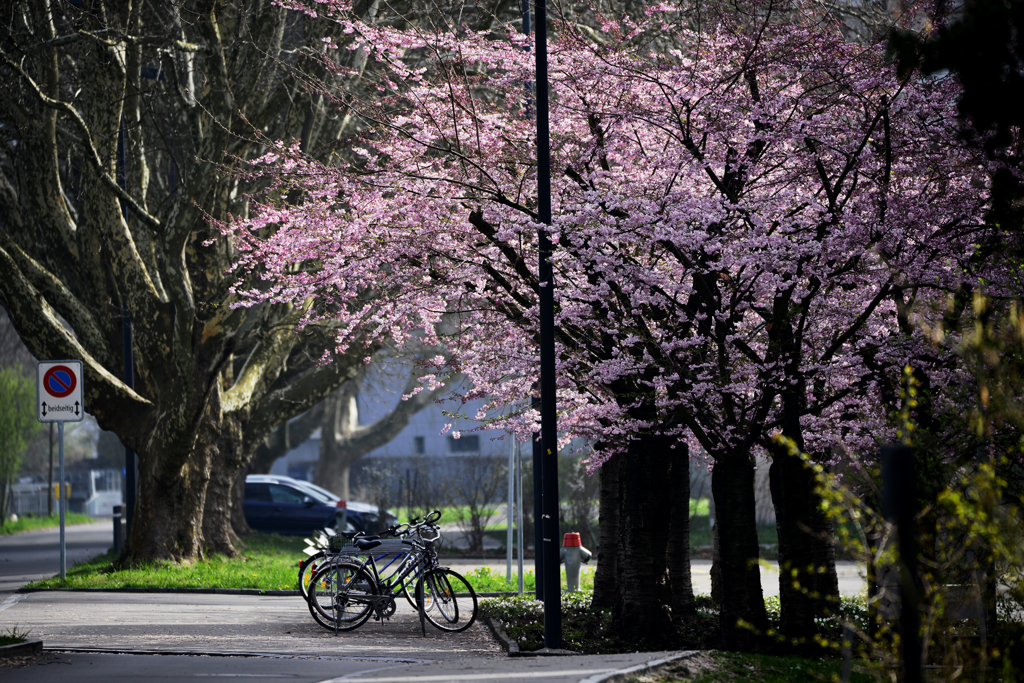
pixel 285 494
pixel 257 492
pixel 323 493
pixel 314 494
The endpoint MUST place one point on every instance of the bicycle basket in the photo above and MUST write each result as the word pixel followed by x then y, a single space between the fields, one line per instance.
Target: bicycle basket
pixel 336 543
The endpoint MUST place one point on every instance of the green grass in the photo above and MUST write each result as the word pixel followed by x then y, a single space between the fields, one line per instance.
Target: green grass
pixel 485 580
pixel 13 636
pixel 732 667
pixel 699 507
pixel 700 533
pixel 31 522
pixel 268 562
pixel 449 515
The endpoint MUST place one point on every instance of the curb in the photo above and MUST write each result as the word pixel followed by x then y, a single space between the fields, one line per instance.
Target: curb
pixel 27 648
pixel 201 591
pixel 615 676
pixel 231 653
pixel 510 647
pixel 209 591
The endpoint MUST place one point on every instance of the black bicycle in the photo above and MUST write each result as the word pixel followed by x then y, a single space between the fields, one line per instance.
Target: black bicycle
pixel 336 546
pixel 346 591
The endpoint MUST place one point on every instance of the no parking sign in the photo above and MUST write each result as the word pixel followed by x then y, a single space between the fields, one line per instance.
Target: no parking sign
pixel 59 399
pixel 59 391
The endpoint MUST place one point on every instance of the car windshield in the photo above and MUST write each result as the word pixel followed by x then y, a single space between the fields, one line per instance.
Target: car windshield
pixel 323 493
pixel 303 491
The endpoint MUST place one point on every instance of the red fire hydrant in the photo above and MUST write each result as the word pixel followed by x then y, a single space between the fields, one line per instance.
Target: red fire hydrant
pixel 573 554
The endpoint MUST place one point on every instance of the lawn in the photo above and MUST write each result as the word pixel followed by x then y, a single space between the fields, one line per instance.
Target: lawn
pixel 268 562
pixel 700 535
pixel 31 522
pixel 484 580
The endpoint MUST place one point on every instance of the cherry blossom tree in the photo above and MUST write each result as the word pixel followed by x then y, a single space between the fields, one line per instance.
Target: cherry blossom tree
pixel 734 211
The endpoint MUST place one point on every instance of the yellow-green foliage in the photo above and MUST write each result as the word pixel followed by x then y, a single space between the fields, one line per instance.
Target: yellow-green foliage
pixel 978 527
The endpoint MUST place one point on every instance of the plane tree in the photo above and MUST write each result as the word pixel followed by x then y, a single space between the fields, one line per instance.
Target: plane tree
pixel 121 123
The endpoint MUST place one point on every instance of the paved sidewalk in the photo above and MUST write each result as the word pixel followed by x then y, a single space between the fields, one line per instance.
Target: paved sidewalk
pixel 243 624
pixel 249 636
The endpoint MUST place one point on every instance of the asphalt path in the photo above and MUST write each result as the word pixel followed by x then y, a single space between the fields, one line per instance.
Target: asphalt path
pixel 65 667
pixel 35 555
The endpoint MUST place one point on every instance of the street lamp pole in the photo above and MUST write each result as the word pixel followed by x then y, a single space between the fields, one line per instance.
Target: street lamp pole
pixel 548 417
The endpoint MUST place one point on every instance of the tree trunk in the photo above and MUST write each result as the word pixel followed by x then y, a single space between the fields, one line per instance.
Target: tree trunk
pixel 743 617
pixel 169 505
pixel 606 578
pixel 238 522
pixel 334 465
pixel 808 585
pixel 678 558
pixel 229 459
pixel 642 609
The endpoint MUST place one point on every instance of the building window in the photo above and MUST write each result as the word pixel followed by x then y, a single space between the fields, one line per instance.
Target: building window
pixel 467 444
pixel 420 444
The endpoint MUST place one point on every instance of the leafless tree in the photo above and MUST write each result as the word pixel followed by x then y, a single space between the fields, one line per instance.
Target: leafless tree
pixel 477 485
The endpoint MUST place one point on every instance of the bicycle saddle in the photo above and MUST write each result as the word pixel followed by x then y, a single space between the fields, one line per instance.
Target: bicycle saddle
pixel 367 543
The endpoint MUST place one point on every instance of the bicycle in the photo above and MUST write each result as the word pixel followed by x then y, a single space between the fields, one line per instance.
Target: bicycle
pixel 345 592
pixel 335 545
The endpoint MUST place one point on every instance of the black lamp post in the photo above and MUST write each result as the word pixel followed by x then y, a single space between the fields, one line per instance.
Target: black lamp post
pixel 548 418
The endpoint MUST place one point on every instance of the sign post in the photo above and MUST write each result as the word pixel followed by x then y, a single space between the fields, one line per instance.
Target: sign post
pixel 59 399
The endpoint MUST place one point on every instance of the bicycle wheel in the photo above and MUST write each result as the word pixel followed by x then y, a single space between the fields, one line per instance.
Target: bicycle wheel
pixel 306 570
pixel 341 596
pixel 408 589
pixel 450 600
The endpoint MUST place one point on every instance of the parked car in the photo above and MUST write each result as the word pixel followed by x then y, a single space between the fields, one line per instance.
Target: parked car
pixel 283 505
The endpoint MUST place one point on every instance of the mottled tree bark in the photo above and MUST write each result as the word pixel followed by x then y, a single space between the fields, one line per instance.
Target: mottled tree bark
pixel 228 460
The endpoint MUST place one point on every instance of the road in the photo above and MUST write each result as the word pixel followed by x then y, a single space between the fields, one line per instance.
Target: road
pixel 35 555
